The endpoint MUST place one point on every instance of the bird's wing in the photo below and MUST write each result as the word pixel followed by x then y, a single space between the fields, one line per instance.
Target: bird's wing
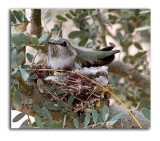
pixel 92 57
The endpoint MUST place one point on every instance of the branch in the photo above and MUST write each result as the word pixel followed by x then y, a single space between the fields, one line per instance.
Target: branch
pixel 36 26
pixel 130 74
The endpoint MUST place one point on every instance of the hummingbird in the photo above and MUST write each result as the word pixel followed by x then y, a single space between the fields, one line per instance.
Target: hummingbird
pixel 62 54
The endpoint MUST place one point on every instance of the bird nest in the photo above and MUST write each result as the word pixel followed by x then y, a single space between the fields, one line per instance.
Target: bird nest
pixel 70 91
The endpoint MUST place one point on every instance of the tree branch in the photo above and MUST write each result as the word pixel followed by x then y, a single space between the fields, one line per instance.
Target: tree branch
pixel 130 74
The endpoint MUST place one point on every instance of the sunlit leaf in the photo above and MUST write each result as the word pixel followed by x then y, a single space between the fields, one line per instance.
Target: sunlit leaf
pixel 17 15
pixel 116 118
pixel 48 20
pixel 146 113
pixel 43 38
pixel 48 38
pixel 105 111
pixel 142 28
pixel 24 74
pixel 39 52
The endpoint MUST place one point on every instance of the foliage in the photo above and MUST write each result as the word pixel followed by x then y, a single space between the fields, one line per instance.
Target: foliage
pixel 88 34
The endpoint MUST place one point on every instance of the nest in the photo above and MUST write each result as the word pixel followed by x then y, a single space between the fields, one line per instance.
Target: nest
pixel 59 86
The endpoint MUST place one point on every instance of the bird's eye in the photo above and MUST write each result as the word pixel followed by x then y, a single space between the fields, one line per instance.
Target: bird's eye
pixel 64 43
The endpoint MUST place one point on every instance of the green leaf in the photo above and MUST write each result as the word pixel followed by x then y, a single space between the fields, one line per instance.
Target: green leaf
pixel 24 74
pixel 48 20
pixel 75 34
pixel 60 92
pixel 138 46
pixel 47 113
pixel 115 118
pixel 146 113
pixel 16 98
pixel 139 55
pixel 16 40
pixel 61 104
pixel 87 119
pixel 19 117
pixel 34 76
pixel 94 116
pixel 17 15
pixel 38 110
pixel 48 38
pixel 23 38
pixel 13 55
pixel 38 121
pixel 25 123
pixel 13 19
pixel 43 38
pixel 68 16
pixel 50 106
pixel 70 101
pixel 119 35
pixel 83 42
pixel 76 124
pixel 130 28
pixel 61 18
pixel 105 111
pixel 20 58
pixel 30 57
pixel 35 41
pixel 64 110
pixel 82 16
pixel 39 52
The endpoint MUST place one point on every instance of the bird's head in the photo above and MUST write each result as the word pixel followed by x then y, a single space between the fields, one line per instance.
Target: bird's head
pixel 61 47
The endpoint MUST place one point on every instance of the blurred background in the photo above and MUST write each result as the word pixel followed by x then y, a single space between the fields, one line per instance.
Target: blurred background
pixel 126 29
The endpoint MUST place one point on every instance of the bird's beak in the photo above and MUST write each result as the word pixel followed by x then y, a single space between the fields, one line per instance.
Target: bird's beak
pixel 52 41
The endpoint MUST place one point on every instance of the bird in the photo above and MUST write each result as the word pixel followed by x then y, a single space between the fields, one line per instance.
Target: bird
pixel 62 54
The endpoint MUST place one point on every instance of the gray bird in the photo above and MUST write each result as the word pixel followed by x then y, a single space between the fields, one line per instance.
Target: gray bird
pixel 62 54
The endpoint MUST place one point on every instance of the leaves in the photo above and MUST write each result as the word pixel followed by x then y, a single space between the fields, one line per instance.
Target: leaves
pixel 30 57
pixel 19 117
pixel 24 39
pixel 38 121
pixel 50 106
pixel 142 28
pixel 24 74
pixel 17 15
pixel 146 113
pixel 39 52
pixel 16 98
pixel 35 41
pixel 16 40
pixel 43 38
pixel 95 116
pixel 138 46
pixel 75 34
pixel 115 118
pixel 20 58
pixel 105 111
pixel 46 113
pixel 48 38
pixel 38 110
pixel 61 18
pixel 70 101
pixel 34 76
pixel 83 42
pixel 75 122
pixel 87 119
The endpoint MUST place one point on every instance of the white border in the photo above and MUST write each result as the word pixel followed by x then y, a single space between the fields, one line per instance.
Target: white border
pixel 98 135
